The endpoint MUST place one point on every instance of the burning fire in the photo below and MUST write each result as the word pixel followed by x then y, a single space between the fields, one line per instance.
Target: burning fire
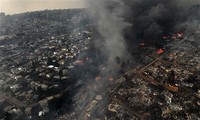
pixel 160 51
pixel 178 35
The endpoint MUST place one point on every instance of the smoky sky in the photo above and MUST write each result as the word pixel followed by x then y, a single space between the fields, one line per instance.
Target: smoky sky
pixel 122 24
pixel 19 6
pixel 188 2
pixel 140 21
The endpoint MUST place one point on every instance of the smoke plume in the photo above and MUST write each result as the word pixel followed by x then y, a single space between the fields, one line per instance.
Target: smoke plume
pixel 190 23
pixel 110 25
pixel 123 24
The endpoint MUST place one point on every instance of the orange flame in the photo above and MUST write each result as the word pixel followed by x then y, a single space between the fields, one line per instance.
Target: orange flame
pixel 160 51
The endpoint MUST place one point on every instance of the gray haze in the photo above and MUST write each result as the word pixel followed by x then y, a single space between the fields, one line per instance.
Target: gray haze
pixel 19 6
pixel 110 25
pixel 122 23
pixel 188 2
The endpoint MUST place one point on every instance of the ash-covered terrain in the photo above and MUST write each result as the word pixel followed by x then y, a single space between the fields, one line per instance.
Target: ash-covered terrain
pixel 124 60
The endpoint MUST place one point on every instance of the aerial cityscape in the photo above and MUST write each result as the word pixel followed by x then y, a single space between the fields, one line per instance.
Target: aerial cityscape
pixel 115 60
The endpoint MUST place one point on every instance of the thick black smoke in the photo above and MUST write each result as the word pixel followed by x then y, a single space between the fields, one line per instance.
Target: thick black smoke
pixel 190 23
pixel 122 24
pixel 148 20
pixel 151 19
